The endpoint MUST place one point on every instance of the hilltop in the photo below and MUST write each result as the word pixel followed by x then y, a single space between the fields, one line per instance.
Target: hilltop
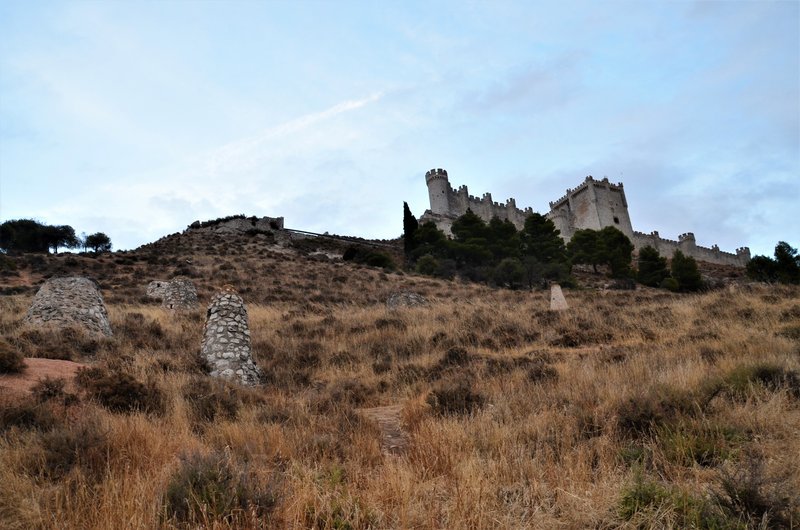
pixel 481 409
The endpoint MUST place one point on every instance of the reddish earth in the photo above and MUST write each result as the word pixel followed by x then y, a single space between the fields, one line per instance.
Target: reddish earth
pixel 39 369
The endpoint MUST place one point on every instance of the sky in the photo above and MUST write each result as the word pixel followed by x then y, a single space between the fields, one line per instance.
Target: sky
pixel 137 118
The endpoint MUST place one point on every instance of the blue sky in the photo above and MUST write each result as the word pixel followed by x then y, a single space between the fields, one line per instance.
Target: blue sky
pixel 137 118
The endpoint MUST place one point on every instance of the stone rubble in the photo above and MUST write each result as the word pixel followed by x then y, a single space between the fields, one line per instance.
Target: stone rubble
pixel 226 340
pixel 557 300
pixel 70 302
pixel 405 299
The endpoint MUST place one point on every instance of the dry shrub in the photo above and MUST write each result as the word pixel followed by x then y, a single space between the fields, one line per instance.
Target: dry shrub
pixel 141 332
pixel 208 489
pixel 454 398
pixel 26 414
pixel 749 494
pixel 83 445
pixel 740 382
pixel 211 400
pixel 119 391
pixel 344 392
pixel 11 360
pixel 638 415
pixel 52 388
pixel 65 344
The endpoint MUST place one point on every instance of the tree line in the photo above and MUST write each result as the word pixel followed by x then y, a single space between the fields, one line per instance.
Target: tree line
pixel 28 235
pixel 497 253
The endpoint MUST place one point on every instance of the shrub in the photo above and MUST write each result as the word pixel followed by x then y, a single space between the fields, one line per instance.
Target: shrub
pixel 25 415
pixel 83 445
pixel 738 382
pixel 11 360
pixel 119 391
pixel 51 388
pixel 670 284
pixel 210 400
pixel 453 398
pixel 208 488
pixel 749 495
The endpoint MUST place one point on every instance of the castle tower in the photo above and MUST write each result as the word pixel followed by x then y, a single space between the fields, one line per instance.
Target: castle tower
pixel 438 191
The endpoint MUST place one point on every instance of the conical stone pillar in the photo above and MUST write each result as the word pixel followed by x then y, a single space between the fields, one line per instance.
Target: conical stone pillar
pixel 226 340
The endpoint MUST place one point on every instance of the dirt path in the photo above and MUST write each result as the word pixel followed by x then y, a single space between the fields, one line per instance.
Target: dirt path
pixel 393 439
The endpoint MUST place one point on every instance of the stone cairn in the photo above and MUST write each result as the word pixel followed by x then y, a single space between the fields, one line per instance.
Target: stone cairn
pixel 557 300
pixel 226 340
pixel 69 302
pixel 405 299
pixel 177 294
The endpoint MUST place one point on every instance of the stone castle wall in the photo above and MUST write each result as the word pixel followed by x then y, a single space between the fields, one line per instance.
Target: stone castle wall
pixel 593 204
pixel 447 204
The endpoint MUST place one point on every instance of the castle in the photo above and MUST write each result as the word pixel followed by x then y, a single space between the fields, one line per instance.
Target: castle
pixel 592 204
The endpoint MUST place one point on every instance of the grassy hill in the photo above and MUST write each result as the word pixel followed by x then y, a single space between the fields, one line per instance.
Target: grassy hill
pixel 633 409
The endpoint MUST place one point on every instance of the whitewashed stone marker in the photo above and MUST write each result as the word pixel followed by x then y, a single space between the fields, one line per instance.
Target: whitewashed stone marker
pixel 557 300
pixel 72 301
pixel 226 340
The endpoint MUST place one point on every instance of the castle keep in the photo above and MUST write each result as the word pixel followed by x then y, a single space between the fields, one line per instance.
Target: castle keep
pixel 592 204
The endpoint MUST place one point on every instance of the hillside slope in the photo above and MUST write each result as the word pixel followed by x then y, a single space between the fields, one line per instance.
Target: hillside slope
pixel 633 408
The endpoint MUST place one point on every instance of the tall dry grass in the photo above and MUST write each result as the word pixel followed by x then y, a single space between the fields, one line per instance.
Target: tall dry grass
pixel 632 409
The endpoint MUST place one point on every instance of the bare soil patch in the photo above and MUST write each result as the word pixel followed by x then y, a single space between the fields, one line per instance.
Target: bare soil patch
pixel 37 369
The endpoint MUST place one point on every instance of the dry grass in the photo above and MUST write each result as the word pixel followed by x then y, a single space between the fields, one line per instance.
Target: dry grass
pixel 633 409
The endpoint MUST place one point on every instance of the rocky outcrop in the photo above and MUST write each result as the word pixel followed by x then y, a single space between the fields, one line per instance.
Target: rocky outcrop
pixel 226 340
pixel 405 299
pixel 70 302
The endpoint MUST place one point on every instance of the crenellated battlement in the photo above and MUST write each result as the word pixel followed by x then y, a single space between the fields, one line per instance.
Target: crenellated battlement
pixel 433 174
pixel 592 204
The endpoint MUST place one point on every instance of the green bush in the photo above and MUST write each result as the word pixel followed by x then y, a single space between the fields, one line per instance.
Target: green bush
pixel 670 284
pixel 652 267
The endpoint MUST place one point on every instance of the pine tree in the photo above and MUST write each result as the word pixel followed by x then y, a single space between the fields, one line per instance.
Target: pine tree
pixel 652 267
pixel 685 271
pixel 410 226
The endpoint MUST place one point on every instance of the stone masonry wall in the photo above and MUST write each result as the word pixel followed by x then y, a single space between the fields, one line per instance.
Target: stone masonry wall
pixel 71 301
pixel 176 294
pixel 226 340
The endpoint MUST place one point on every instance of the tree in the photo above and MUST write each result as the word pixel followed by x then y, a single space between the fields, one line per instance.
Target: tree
pixel 762 269
pixel 60 236
pixel 784 268
pixel 584 247
pixel 685 272
pixel 98 242
pixel 410 225
pixel 788 263
pixel 541 239
pixel 23 235
pixel 503 239
pixel 617 251
pixel 509 273
pixel 428 239
pixel 652 267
